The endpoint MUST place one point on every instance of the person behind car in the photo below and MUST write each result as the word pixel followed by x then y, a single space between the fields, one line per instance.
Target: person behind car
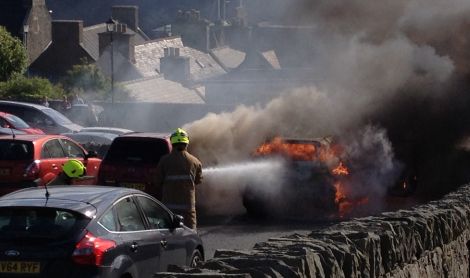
pixel 71 170
pixel 177 174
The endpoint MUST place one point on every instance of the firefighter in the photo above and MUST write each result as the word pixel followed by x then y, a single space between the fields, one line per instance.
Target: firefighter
pixel 71 170
pixel 177 175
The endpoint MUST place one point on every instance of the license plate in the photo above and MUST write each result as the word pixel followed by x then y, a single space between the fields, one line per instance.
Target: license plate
pixel 19 267
pixel 4 171
pixel 138 186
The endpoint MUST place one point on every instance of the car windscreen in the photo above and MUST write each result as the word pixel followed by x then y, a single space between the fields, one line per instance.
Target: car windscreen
pixel 30 223
pixel 16 150
pixel 57 116
pixel 137 150
pixel 16 121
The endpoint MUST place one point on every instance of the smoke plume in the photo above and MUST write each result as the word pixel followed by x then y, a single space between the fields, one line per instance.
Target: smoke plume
pixel 388 78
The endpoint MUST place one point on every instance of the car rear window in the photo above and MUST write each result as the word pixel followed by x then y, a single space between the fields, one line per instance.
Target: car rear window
pixel 16 150
pixel 25 223
pixel 137 150
pixel 17 122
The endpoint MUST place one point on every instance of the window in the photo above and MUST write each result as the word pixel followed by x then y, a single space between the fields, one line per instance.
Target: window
pixel 140 150
pixel 71 149
pixel 52 149
pixel 15 150
pixel 108 221
pixel 22 223
pixel 4 123
pixel 128 216
pixel 157 216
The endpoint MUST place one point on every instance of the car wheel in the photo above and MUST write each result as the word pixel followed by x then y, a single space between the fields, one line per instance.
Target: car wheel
pixel 196 259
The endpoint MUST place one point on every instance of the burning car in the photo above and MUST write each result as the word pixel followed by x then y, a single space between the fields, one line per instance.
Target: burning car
pixel 312 184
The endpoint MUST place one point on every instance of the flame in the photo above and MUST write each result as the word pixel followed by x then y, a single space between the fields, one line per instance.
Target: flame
pixel 294 151
pixel 341 170
pixel 328 153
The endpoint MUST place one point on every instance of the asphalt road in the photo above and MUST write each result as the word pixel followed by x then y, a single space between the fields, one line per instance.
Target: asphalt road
pixel 242 233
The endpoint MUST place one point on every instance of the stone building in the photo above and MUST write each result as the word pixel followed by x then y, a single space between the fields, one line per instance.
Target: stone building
pixel 28 20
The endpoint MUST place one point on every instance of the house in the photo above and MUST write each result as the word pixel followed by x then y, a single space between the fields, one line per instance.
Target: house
pixel 29 21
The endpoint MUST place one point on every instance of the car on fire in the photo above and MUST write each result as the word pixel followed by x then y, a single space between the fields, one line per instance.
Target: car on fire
pixel 308 184
pixel 131 160
pixel 31 160
pixel 91 231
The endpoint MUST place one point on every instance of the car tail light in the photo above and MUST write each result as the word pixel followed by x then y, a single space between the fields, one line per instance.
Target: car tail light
pixel 90 250
pixel 32 171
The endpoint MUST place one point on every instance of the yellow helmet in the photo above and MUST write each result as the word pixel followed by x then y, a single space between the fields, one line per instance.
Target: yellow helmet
pixel 179 136
pixel 74 168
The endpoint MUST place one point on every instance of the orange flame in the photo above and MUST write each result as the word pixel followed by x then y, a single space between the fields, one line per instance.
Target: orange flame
pixel 340 170
pixel 294 151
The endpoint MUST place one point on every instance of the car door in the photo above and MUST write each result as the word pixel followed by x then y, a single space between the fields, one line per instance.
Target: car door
pixel 172 243
pixel 52 157
pixel 140 243
pixel 73 150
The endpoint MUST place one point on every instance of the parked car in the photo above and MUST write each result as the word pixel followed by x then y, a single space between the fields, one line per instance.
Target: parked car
pixel 84 114
pixel 91 231
pixel 115 130
pixel 11 121
pixel 10 131
pixel 132 159
pixel 98 142
pixel 25 160
pixel 47 119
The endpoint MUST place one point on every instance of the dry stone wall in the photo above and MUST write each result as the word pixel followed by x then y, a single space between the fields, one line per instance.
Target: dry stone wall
pixel 430 240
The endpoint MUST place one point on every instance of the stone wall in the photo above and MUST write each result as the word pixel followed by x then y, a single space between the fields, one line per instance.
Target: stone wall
pixel 430 240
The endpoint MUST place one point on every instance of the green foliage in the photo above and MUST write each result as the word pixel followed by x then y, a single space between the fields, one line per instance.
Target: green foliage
pixel 86 79
pixel 13 57
pixel 29 89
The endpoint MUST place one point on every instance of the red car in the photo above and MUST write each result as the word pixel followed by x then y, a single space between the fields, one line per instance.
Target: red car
pixel 25 160
pixel 11 121
pixel 131 160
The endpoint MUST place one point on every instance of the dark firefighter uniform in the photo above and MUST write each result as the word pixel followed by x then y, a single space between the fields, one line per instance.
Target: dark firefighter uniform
pixel 177 175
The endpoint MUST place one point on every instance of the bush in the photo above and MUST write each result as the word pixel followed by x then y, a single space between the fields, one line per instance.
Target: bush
pixel 29 89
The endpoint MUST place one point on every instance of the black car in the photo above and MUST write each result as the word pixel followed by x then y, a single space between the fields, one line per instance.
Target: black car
pixel 91 231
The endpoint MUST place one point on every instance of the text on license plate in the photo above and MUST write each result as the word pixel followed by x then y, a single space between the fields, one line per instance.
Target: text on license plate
pixel 138 186
pixel 4 171
pixel 19 267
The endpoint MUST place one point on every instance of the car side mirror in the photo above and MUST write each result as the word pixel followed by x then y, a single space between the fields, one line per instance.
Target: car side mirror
pixel 177 221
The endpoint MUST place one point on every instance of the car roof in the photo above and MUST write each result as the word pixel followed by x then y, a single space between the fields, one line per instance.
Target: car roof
pixel 106 129
pixel 19 103
pixel 77 198
pixel 8 131
pixel 146 134
pixel 33 137
pixel 101 136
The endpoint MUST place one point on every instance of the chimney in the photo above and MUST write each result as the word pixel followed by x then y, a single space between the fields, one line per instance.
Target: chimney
pixel 128 15
pixel 175 67
pixel 123 42
pixel 67 32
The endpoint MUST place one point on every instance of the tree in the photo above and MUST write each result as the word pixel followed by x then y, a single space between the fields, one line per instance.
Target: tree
pixel 88 79
pixel 13 57
pixel 29 89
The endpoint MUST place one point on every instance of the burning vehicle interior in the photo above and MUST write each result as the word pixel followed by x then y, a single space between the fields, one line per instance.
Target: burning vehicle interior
pixel 316 183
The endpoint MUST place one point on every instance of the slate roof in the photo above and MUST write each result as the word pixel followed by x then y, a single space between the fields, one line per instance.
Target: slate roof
pixel 91 41
pixel 148 54
pixel 158 89
pixel 228 57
